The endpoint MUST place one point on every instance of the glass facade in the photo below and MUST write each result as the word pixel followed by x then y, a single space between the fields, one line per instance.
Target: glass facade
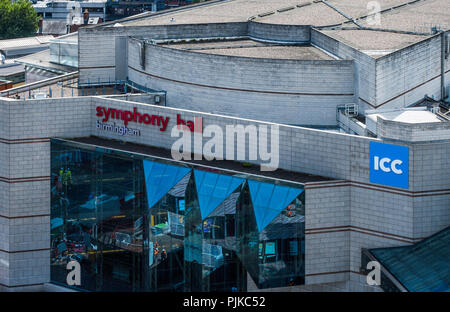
pixel 139 223
pixel 64 52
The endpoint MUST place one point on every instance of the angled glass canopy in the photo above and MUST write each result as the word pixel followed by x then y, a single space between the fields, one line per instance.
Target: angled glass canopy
pixel 160 178
pixel 213 189
pixel 269 200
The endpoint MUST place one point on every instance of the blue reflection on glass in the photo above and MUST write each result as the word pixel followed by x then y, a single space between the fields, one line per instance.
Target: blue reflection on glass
pixel 213 189
pixel 160 178
pixel 269 200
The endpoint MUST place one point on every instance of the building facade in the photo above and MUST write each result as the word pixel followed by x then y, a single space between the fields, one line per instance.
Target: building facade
pixel 341 215
pixel 95 179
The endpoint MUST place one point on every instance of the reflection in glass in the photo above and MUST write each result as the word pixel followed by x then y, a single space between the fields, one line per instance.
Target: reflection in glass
pixel 135 223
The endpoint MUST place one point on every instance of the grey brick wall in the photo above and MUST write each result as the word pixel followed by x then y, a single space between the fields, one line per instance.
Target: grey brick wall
pixel 96 46
pixel 415 69
pixel 365 71
pixel 25 186
pixel 327 251
pixel 304 92
pixel 341 217
pixel 288 33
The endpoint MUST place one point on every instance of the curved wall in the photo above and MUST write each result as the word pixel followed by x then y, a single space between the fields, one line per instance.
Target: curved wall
pixel 284 91
pixel 275 32
pixel 99 55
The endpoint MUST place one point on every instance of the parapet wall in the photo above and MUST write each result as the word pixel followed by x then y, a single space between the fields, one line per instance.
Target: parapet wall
pixel 365 71
pixel 97 46
pixel 297 92
pixel 407 75
pixel 284 33
pixel 420 132
pixel 395 80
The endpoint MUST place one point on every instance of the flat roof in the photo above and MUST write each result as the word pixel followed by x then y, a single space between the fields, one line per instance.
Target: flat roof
pixel 418 17
pixel 69 37
pixel 215 12
pixel 396 15
pixel 219 164
pixel 250 48
pixel 374 43
pixel 357 8
pixel 24 42
pixel 277 52
pixel 317 14
pixel 211 44
pixel 12 69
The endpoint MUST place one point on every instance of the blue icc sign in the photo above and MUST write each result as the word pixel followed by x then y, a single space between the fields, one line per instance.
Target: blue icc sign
pixel 389 164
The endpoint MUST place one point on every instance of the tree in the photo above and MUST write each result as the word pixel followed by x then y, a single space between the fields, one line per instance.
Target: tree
pixel 17 19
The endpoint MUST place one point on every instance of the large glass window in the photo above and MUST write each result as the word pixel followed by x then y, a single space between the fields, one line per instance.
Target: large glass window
pixel 137 223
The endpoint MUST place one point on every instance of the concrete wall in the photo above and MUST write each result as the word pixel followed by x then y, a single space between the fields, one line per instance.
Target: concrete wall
pixel 407 75
pixel 365 83
pixel 96 50
pixel 301 149
pixel 304 92
pixel 430 170
pixel 394 80
pixel 275 32
pixel 398 79
pixel 327 252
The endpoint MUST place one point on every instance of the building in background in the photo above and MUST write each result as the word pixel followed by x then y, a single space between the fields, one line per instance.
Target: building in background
pixel 61 10
pixel 12 49
pixel 5 84
pixel 60 58
pixel 106 10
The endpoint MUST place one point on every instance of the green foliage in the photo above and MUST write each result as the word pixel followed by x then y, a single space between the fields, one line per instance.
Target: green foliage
pixel 17 19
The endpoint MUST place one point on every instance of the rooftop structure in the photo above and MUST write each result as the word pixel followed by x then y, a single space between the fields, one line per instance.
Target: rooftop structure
pixel 12 72
pixel 13 48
